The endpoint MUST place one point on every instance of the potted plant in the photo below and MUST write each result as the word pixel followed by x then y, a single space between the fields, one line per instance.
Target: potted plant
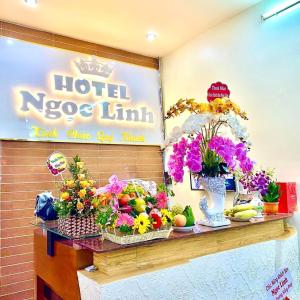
pixel 208 154
pixel 270 199
pixel 255 184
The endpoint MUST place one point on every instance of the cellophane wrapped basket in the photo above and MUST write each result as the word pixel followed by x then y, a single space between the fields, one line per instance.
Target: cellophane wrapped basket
pixel 76 227
pixel 137 238
pixel 134 211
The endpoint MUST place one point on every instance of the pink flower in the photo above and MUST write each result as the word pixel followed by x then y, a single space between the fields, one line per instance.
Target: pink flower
pixel 176 161
pixel 231 154
pixel 193 157
pixel 115 186
pixel 124 219
pixel 162 200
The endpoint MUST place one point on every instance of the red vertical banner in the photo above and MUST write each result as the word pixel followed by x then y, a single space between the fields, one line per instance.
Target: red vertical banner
pixel 288 197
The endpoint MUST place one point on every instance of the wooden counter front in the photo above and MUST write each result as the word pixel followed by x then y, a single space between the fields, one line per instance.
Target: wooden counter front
pixel 59 273
pixel 125 261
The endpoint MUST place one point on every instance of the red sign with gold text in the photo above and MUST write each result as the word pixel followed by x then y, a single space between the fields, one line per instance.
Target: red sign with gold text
pixel 217 90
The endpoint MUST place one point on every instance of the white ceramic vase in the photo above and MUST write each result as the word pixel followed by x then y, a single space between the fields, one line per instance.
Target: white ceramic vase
pixel 216 190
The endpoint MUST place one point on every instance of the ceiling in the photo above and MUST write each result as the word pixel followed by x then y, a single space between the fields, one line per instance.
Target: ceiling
pixel 123 24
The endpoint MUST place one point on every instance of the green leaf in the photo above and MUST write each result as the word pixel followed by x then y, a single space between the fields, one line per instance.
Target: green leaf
pixel 272 194
pixel 126 229
pixel 150 199
pixel 132 202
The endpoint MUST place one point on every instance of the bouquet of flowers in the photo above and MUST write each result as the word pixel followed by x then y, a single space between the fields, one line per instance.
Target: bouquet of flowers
pixel 77 194
pixel 257 181
pixel 199 145
pixel 77 203
pixel 133 214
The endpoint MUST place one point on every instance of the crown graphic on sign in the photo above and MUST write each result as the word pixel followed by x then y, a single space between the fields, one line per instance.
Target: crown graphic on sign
pixel 94 67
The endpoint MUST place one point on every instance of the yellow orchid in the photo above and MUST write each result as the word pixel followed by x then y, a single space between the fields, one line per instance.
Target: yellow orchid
pixel 82 193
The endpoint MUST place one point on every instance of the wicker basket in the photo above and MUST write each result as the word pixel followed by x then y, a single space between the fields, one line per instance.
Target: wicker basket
pixel 76 227
pixel 137 238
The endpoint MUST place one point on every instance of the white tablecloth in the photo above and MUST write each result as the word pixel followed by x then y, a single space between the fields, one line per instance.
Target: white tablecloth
pixel 237 274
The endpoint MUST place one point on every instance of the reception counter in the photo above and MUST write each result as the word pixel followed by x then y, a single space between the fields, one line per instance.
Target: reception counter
pixel 231 262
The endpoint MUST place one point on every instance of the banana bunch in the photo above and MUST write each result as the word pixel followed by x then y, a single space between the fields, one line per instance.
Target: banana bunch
pixel 242 211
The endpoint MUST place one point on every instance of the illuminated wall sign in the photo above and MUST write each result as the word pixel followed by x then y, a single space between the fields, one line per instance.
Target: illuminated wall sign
pixel 55 95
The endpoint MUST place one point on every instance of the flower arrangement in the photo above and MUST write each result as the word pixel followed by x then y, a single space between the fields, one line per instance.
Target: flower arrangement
pixel 257 181
pixel 201 147
pixel 131 210
pixel 77 194
pixel 262 182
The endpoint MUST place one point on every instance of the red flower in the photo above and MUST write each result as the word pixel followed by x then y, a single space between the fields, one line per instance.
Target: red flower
pixel 87 203
pixel 156 223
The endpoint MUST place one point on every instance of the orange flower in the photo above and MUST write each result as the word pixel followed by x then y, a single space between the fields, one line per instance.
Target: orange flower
pixel 104 198
pixel 95 202
pixel 79 205
pixel 65 196
pixel 84 184
pixel 82 193
pixel 81 176
pixel 70 183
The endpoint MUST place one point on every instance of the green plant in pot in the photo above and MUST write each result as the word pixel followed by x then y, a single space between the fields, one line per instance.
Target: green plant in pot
pixel 270 199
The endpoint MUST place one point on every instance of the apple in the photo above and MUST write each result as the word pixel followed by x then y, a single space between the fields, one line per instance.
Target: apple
pixel 179 220
pixel 123 200
pixel 126 209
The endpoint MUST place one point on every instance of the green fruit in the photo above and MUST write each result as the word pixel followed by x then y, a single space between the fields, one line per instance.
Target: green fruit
pixel 177 210
pixel 246 214
pixel 242 207
pixel 188 213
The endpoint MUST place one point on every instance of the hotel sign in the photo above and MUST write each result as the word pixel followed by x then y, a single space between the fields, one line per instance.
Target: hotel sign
pixel 48 94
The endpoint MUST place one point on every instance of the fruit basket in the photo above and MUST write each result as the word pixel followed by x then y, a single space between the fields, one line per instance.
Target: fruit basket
pixel 135 211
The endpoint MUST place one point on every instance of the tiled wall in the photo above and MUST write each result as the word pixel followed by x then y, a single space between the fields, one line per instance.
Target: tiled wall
pixel 24 175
